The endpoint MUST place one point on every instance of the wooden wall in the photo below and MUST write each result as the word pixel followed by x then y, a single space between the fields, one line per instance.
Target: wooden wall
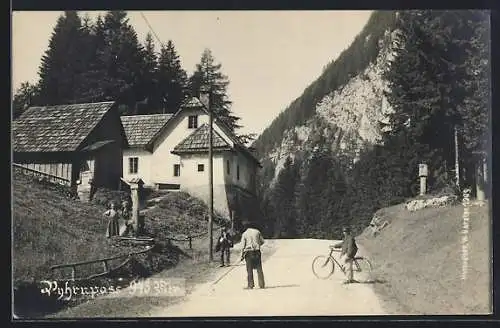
pixel 61 170
pixel 108 166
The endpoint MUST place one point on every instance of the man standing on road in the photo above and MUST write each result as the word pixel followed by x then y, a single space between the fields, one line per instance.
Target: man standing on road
pixel 251 241
pixel 349 250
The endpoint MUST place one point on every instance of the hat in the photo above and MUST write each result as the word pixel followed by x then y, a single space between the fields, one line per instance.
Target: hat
pixel 247 223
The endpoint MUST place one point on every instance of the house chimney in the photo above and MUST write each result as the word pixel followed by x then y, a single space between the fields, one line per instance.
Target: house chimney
pixel 205 96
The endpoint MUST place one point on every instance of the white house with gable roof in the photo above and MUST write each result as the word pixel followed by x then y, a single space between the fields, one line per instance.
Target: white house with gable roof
pixel 171 152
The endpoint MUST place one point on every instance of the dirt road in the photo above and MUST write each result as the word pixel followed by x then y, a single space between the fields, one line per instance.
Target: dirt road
pixel 291 288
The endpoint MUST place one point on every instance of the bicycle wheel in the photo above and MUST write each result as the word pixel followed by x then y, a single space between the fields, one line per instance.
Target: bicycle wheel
pixel 323 266
pixel 362 268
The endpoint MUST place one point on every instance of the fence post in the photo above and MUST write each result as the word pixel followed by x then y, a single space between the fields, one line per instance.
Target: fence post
pixel 135 186
pixel 422 173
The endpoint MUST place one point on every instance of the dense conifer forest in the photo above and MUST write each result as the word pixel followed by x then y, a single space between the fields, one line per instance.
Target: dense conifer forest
pixel 439 85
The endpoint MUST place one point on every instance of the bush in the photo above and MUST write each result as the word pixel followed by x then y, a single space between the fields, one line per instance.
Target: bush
pixel 150 193
pixel 104 197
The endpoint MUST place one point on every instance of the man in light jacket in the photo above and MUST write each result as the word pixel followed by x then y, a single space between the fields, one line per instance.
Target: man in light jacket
pixel 251 241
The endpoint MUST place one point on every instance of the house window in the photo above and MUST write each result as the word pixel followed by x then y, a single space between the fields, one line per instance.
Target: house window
pixel 238 172
pixel 133 165
pixel 201 167
pixel 177 170
pixel 228 167
pixel 192 122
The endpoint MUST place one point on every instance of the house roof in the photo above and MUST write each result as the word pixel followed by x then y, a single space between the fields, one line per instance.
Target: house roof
pixel 189 103
pixel 56 128
pixel 141 129
pixel 133 180
pixel 194 102
pixel 97 145
pixel 198 141
pixel 237 143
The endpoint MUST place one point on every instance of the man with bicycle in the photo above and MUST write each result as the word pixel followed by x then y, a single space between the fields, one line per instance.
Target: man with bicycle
pixel 349 250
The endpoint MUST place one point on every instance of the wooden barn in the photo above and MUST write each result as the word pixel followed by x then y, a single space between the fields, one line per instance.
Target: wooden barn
pixel 78 145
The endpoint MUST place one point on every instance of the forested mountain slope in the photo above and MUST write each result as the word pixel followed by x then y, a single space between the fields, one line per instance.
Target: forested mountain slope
pixel 342 108
pixel 412 88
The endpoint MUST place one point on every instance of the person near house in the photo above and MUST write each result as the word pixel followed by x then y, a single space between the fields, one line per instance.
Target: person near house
pixel 224 244
pixel 126 222
pixel 113 226
pixel 349 250
pixel 251 242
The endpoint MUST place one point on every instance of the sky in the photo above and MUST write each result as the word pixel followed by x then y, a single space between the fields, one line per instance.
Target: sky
pixel 270 57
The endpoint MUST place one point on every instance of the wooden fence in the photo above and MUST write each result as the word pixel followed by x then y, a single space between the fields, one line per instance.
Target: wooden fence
pixel 188 239
pixel 42 175
pixel 105 263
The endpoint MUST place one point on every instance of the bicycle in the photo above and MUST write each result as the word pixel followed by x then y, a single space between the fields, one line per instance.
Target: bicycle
pixel 324 266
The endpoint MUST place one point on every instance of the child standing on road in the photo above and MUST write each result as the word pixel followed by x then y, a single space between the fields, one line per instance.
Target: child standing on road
pixel 224 244
pixel 349 250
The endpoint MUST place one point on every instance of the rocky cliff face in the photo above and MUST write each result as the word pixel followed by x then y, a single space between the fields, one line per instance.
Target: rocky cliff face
pixel 348 118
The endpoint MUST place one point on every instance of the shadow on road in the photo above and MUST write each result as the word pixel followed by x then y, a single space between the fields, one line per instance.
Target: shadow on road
pixel 373 281
pixel 281 286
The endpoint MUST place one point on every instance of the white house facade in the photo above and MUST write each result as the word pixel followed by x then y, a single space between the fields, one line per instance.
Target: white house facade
pixel 171 152
pixel 138 159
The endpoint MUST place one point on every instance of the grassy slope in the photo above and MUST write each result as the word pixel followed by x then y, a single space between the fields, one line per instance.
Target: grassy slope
pixel 50 229
pixel 419 255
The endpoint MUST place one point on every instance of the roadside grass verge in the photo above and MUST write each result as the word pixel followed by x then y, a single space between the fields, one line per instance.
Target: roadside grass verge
pixel 419 256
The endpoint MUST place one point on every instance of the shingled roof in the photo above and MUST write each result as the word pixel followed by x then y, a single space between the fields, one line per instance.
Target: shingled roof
pixel 192 102
pixel 56 128
pixel 198 141
pixel 140 129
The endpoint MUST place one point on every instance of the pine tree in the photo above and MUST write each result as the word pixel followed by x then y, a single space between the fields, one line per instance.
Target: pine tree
pixel 333 197
pixel 24 97
pixel 148 84
pixel 426 77
pixel 122 58
pixel 87 60
pixel 172 79
pixel 149 57
pixel 301 208
pixel 314 193
pixel 209 73
pixel 61 65
pixel 95 77
pixel 283 199
pixel 475 109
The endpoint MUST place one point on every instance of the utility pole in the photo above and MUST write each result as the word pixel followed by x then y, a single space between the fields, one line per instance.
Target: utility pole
pixel 457 165
pixel 210 173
